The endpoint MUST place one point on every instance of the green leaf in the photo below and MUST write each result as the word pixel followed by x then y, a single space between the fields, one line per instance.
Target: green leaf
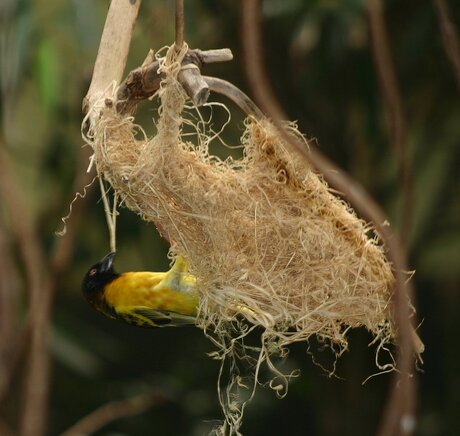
pixel 48 77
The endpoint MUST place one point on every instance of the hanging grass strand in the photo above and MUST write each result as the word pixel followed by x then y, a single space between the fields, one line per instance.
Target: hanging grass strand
pixel 110 215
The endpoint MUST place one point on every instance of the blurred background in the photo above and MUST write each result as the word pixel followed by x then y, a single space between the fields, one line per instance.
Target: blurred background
pixel 323 65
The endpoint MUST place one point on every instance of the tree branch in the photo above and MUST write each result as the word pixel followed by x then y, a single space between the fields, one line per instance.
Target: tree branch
pixel 112 411
pixel 35 394
pixel 144 81
pixel 234 94
pixel 113 49
pixel 389 89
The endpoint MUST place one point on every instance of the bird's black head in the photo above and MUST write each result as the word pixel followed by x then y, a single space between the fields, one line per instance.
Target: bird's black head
pixel 99 275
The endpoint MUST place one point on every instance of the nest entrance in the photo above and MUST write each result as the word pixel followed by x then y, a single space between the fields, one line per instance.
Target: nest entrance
pixel 265 237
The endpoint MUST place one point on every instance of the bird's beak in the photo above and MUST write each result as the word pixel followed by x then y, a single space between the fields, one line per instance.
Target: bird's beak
pixel 106 263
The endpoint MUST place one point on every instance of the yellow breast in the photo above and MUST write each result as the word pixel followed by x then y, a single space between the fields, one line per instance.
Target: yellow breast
pixel 147 289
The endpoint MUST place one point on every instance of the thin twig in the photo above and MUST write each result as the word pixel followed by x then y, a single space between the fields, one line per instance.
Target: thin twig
pixel 179 24
pixel 449 38
pixel 234 94
pixel 402 394
pixel 392 97
pixel 113 411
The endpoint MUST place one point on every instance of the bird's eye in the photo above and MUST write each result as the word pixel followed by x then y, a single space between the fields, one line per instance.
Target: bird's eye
pixel 92 272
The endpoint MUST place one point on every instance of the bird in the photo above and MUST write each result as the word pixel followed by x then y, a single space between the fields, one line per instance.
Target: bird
pixel 143 298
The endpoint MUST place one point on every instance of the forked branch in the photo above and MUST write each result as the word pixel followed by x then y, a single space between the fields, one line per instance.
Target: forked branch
pixel 143 82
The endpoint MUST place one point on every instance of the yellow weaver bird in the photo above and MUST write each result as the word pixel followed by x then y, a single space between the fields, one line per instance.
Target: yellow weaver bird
pixel 145 299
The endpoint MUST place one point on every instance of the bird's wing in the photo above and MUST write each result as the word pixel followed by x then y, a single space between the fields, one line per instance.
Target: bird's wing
pixel 165 318
pixel 147 317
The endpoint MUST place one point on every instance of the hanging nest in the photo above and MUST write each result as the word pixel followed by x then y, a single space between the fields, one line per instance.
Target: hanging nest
pixel 267 240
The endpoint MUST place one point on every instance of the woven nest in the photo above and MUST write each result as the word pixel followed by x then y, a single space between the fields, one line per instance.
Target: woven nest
pixel 265 237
